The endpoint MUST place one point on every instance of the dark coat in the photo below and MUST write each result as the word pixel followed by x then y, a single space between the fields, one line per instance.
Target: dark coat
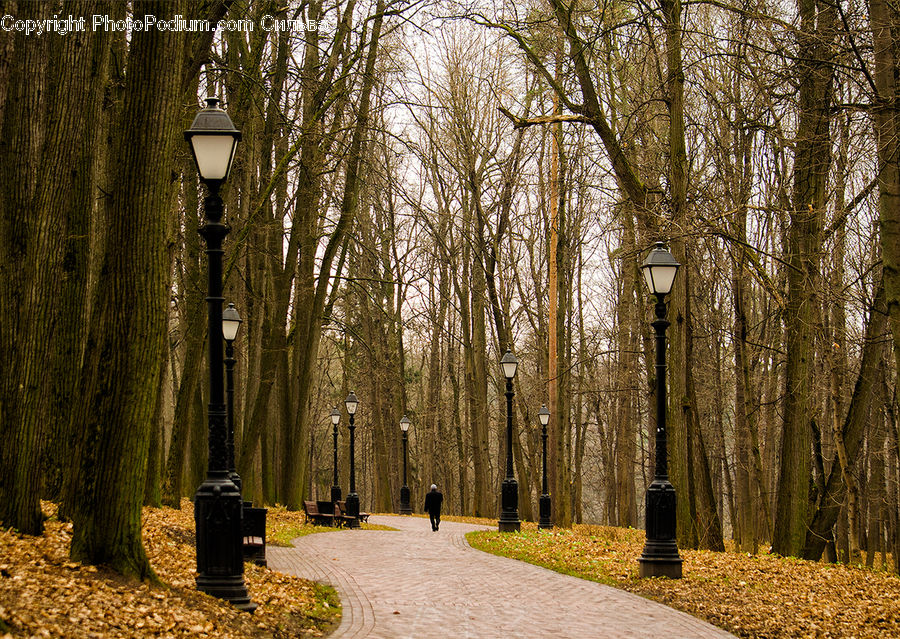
pixel 433 501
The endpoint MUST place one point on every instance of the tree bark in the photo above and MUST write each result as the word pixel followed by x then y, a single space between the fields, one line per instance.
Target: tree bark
pixel 51 89
pixel 885 24
pixel 128 331
pixel 812 159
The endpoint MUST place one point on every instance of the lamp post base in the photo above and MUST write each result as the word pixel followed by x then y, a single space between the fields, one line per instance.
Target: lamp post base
pixel 335 494
pixel 660 556
pixel 660 567
pixel 544 522
pixel 231 588
pixel 509 501
pixel 220 558
pixel 353 509
pixel 404 501
pixel 509 525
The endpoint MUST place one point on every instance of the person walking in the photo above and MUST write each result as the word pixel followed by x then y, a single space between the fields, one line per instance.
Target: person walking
pixel 433 501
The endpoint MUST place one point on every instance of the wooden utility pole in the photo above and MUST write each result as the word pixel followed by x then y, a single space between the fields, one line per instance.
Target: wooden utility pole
pixel 559 488
pixel 552 275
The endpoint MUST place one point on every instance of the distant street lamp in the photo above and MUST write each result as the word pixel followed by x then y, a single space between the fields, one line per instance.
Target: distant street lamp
pixel 544 502
pixel 335 487
pixel 217 503
pixel 660 556
pixel 404 489
pixel 352 403
pixel 231 322
pixel 509 493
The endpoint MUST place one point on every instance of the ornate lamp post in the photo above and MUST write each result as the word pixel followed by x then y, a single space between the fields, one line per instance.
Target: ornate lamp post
pixel 352 403
pixel 231 322
pixel 404 489
pixel 544 502
pixel 335 420
pixel 217 503
pixel 509 493
pixel 660 556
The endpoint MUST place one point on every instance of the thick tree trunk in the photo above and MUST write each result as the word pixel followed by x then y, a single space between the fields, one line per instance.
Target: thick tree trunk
pixel 812 159
pixel 128 331
pixel 51 89
pixel 29 264
pixel 885 24
pixel 89 79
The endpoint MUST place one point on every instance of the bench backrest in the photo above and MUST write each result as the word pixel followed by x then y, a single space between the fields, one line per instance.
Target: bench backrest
pixel 254 521
pixel 310 508
pixel 325 507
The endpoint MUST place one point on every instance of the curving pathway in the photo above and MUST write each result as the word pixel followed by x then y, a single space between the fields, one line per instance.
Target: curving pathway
pixel 417 583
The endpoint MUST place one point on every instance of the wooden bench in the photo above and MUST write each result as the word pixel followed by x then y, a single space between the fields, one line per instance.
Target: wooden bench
pixel 340 519
pixel 253 529
pixel 342 506
pixel 311 509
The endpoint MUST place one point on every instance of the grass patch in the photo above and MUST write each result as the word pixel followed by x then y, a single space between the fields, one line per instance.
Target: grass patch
pixel 368 526
pixel 283 526
pixel 749 595
pixel 327 610
pixel 560 550
pixel 478 521
pixel 284 536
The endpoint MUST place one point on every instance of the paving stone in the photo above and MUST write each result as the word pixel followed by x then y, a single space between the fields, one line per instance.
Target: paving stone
pixel 416 583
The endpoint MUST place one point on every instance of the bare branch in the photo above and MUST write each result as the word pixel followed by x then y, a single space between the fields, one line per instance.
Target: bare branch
pixel 519 122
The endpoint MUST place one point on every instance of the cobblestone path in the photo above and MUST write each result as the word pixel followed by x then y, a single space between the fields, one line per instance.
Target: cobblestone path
pixel 417 583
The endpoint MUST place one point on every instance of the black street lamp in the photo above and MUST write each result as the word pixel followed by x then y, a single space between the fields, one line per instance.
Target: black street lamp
pixel 217 503
pixel 335 487
pixel 509 493
pixel 231 322
pixel 660 556
pixel 544 501
pixel 352 403
pixel 404 489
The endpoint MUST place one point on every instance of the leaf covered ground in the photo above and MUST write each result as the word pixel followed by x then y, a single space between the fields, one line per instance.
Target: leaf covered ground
pixel 748 595
pixel 44 594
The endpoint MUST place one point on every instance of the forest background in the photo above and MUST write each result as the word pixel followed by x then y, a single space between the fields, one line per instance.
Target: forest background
pixel 423 185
